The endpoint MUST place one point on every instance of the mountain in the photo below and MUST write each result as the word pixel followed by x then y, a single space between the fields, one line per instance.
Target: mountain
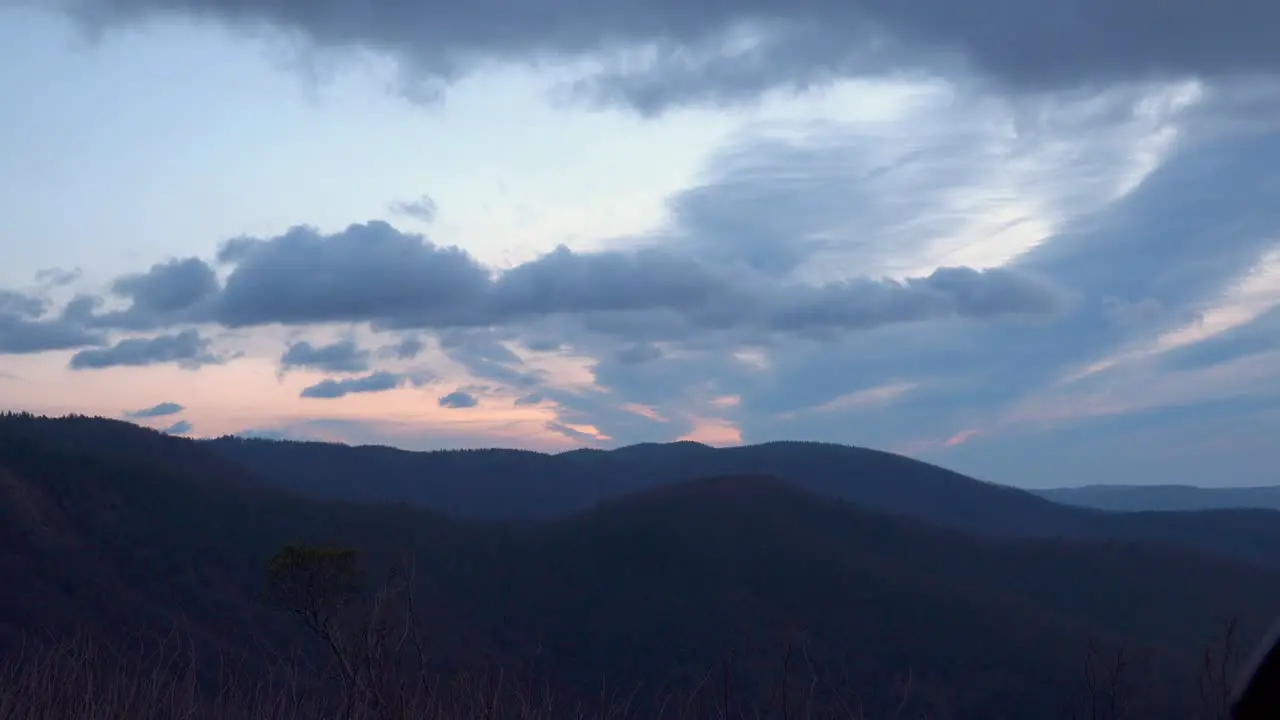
pixel 659 569
pixel 517 484
pixel 507 483
pixel 118 527
pixel 653 587
pixel 112 439
pixel 1132 498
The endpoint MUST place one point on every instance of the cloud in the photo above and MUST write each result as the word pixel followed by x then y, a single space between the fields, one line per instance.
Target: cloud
pixel 21 305
pixel 342 356
pixel 25 330
pixel 579 435
pixel 655 55
pixel 423 209
pixel 58 277
pixel 374 273
pixel 1257 336
pixel 20 335
pixel 458 400
pixel 368 272
pixel 541 344
pixel 185 348
pixel 638 353
pixel 182 427
pixel 1133 313
pixel 407 349
pixel 380 381
pixel 410 435
pixel 937 274
pixel 697 296
pixel 484 354
pixel 169 292
pixel 161 410
pixel 1112 198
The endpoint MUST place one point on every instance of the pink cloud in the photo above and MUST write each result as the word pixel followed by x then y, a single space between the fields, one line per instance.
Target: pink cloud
pixel 961 437
pixel 713 431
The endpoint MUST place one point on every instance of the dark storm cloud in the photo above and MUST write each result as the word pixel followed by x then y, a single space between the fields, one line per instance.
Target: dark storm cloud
pixel 1024 46
pixel 342 356
pixel 380 381
pixel 161 410
pixel 458 400
pixel 187 348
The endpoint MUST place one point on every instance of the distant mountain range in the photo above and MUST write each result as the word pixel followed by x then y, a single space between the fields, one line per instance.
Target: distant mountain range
pixel 512 484
pixel 1133 498
pixel 644 565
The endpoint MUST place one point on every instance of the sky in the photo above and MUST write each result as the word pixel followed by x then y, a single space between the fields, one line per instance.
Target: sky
pixel 1036 243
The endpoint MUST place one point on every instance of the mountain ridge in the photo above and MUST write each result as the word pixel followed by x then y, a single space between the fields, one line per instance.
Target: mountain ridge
pixel 538 486
pixel 1137 498
pixel 652 587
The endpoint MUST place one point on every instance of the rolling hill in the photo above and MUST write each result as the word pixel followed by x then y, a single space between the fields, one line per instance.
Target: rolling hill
pixel 652 586
pixel 1137 498
pixel 497 484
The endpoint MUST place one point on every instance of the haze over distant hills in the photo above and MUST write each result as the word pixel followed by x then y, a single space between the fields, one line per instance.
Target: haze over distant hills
pixel 1131 498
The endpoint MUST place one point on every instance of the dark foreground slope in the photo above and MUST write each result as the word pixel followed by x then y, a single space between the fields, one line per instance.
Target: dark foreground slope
pixel 653 588
pixel 506 483
pixel 1135 498
pixel 139 534
pixel 985 624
